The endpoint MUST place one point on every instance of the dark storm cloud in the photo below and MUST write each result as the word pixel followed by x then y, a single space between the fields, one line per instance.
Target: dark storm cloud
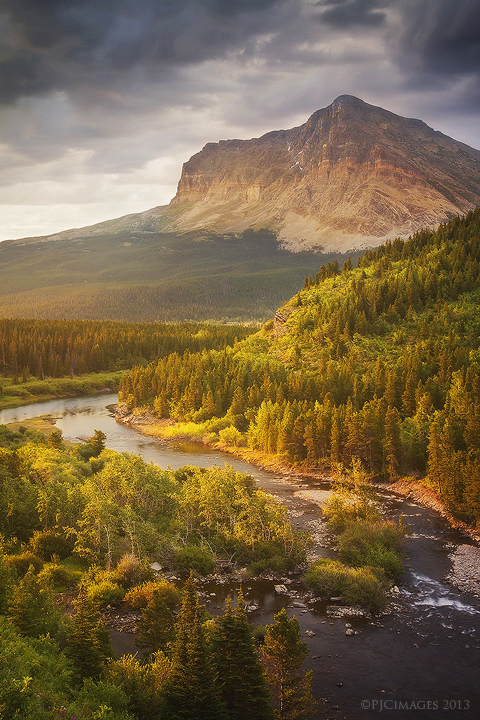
pixel 86 46
pixel 441 37
pixel 434 43
pixel 345 13
pixel 61 44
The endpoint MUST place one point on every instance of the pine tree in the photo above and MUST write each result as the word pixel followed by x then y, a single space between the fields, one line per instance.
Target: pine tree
pixel 155 629
pixel 239 670
pixel 391 448
pixel 88 642
pixel 192 693
pixel 31 607
pixel 283 656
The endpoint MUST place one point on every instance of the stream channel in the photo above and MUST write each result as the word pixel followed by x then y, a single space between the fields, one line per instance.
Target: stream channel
pixel 419 660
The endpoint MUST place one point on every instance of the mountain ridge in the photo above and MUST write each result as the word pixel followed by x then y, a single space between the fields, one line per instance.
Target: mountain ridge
pixel 352 176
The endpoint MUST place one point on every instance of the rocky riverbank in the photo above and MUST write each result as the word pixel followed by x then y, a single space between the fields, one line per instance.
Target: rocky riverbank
pixel 409 487
pixel 465 573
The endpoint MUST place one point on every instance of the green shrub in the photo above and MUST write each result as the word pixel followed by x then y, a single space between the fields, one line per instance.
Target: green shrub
pixel 47 543
pixel 57 575
pixel 356 586
pixel 231 437
pixel 131 571
pixel 376 544
pixel 366 588
pixel 105 592
pixel 22 562
pixel 139 597
pixel 344 507
pixel 276 563
pixel 194 557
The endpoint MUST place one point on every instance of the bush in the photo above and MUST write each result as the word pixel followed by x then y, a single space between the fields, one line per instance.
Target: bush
pixel 22 562
pixel 139 597
pixel 131 571
pixel 57 575
pixel 356 586
pixel 105 592
pixel 193 557
pixel 343 508
pixel 276 563
pixel 47 543
pixel 231 437
pixel 374 544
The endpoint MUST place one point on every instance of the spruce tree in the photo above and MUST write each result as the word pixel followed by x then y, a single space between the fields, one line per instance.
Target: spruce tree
pixel 240 675
pixel 31 607
pixel 192 693
pixel 155 629
pixel 88 642
pixel 283 655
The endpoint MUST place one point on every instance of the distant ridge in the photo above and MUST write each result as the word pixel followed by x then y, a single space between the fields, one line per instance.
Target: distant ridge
pixel 250 220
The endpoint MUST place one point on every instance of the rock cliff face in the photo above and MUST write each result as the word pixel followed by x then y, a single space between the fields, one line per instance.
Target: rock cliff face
pixel 352 176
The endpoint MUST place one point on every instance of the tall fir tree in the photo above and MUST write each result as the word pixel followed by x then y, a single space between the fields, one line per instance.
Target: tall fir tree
pixel 88 642
pixel 192 692
pixel 155 629
pixel 240 674
pixel 283 656
pixel 31 607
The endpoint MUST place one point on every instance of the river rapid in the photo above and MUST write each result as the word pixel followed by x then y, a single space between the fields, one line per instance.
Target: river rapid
pixel 419 660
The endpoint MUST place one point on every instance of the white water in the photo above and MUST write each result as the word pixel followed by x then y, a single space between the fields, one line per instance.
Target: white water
pixel 431 593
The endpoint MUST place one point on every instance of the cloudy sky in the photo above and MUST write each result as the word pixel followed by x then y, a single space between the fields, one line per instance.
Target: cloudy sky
pixel 101 101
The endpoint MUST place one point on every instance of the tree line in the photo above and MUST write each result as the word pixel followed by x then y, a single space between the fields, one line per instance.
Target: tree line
pixel 378 363
pixel 57 348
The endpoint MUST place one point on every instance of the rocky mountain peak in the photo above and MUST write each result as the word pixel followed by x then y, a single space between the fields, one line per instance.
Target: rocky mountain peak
pixel 351 176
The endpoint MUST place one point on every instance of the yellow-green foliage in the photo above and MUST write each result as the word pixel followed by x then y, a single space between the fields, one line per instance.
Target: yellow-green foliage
pixel 378 364
pixel 139 597
pixel 119 511
pixel 356 586
pixel 364 537
pixel 57 575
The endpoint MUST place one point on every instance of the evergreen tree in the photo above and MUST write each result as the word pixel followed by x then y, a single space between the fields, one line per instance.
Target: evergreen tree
pixel 192 693
pixel 31 608
pixel 283 655
pixel 88 642
pixel 155 629
pixel 239 670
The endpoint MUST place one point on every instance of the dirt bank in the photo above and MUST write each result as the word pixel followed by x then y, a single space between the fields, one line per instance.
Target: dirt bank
pixel 409 487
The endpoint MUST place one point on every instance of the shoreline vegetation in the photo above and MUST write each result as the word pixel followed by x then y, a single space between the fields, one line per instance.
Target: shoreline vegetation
pixel 87 520
pixel 378 364
pixel 145 422
pixel 13 395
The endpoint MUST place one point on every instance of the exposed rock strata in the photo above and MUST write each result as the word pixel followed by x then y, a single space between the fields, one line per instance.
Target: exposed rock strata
pixel 351 176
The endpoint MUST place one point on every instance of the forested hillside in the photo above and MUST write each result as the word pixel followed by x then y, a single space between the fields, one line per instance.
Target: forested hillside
pixel 141 275
pixel 55 348
pixel 378 364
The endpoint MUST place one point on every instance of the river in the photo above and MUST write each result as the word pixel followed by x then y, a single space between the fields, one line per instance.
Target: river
pixel 420 660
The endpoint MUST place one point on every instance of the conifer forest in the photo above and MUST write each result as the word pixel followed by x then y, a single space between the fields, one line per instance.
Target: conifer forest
pixel 369 374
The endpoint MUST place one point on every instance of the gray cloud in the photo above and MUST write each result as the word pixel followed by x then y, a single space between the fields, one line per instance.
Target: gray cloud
pixel 62 44
pixel 440 37
pixel 115 94
pixel 345 13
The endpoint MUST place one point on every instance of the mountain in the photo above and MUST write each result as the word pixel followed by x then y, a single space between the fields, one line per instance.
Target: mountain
pixel 250 219
pixel 352 176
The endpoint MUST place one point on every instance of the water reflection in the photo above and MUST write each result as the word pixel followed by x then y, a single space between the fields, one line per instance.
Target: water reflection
pixel 77 418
